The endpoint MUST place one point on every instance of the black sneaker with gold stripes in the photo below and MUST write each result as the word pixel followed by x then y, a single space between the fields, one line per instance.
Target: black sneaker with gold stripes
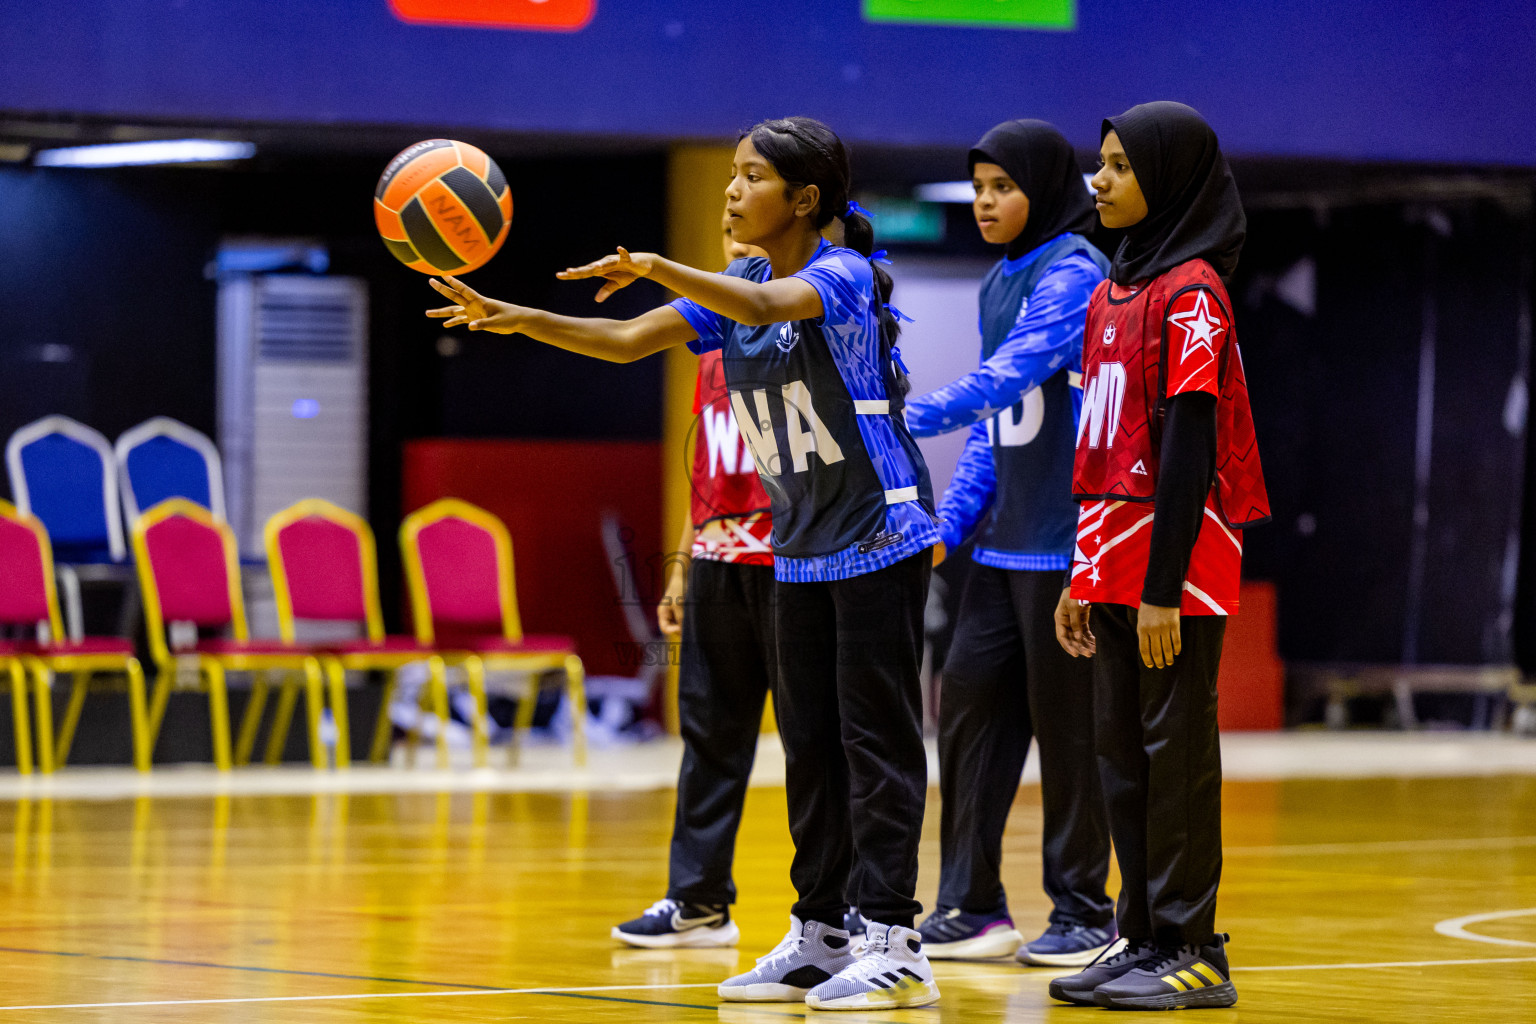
pixel 1173 978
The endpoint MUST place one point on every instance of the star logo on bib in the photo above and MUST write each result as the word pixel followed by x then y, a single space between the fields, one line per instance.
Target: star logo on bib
pixel 1200 327
pixel 1109 335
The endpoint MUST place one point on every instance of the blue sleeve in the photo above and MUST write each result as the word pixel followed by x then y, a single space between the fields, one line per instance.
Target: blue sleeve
pixel 970 491
pixel 706 323
pixel 1048 338
pixel 844 282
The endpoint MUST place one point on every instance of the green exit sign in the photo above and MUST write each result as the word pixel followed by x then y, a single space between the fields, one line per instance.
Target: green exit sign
pixel 1048 14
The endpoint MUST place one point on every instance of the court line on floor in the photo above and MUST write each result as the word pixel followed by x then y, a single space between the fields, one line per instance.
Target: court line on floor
pixel 588 992
pixel 1394 963
pixel 243 967
pixel 1382 846
pixel 573 992
pixel 1456 927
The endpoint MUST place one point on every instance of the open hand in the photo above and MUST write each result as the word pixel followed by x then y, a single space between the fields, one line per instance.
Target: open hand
pixel 472 309
pixel 669 613
pixel 1072 630
pixel 620 270
pixel 1157 630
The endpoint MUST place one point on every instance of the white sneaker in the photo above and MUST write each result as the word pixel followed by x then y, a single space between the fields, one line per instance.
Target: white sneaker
pixel 892 973
pixel 670 924
pixel 808 955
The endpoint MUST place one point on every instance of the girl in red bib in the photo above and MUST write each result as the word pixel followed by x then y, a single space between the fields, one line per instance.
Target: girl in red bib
pixel 1167 474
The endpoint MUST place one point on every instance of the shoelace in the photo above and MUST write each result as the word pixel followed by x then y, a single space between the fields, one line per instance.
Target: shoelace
pixel 870 963
pixel 662 908
pixel 1160 958
pixel 788 945
pixel 1134 952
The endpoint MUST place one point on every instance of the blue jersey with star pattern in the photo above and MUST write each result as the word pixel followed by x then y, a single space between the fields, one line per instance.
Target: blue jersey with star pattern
pixel 1014 477
pixel 818 405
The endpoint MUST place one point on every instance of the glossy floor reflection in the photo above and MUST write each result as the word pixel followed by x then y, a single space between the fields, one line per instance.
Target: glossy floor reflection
pixel 476 906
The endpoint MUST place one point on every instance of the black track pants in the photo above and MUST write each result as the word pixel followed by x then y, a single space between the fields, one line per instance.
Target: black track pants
pixel 850 713
pixel 726 671
pixel 1007 681
pixel 1160 764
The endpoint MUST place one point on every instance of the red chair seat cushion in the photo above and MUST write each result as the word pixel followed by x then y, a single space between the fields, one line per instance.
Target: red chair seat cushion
pixel 91 645
pixel 530 644
pixel 235 648
pixel 388 645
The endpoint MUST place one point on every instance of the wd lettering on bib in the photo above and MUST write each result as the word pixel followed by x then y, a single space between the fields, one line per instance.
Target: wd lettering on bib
pixel 1102 401
pixel 1020 423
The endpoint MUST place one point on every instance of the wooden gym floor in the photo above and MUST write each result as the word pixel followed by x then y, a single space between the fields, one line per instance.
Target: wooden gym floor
pixel 1358 899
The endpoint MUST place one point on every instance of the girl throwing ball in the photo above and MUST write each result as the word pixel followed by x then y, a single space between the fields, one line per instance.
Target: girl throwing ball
pixel 806 340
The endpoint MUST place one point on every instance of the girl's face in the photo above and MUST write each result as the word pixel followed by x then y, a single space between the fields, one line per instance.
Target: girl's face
pixel 1118 196
pixel 735 250
pixel 1001 207
pixel 759 205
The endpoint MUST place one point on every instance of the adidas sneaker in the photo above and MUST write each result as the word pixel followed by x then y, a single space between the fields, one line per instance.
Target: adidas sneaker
pixel 892 973
pixel 671 924
pixel 950 933
pixel 1067 944
pixel 808 955
pixel 1173 979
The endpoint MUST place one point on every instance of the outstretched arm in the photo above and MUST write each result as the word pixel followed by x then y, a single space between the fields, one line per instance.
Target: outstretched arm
pixel 617 341
pixel 1048 337
pixel 735 298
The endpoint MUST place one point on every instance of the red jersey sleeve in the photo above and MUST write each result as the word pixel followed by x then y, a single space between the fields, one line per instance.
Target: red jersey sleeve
pixel 1196 328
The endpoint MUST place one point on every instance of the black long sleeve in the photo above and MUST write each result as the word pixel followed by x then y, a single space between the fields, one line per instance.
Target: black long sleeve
pixel 1186 468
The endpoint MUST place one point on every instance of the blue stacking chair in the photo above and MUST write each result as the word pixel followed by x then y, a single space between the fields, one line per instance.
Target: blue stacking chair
pixel 163 458
pixel 63 473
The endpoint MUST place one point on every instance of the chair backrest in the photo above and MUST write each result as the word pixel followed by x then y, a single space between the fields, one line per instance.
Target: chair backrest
pixel 189 571
pixel 62 472
pixel 458 563
pixel 27 593
pixel 164 458
pixel 324 567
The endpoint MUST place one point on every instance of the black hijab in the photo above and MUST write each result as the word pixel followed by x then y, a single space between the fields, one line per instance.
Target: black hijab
pixel 1193 211
pixel 1041 162
pixel 1192 201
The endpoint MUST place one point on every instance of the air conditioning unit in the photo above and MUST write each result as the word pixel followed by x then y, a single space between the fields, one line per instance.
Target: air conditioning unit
pixel 293 395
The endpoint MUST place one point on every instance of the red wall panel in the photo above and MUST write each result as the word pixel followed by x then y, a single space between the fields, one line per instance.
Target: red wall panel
pixel 552 496
pixel 1251 684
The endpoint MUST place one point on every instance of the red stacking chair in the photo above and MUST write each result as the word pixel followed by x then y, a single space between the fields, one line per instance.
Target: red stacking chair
pixel 28 598
pixel 458 562
pixel 189 571
pixel 325 569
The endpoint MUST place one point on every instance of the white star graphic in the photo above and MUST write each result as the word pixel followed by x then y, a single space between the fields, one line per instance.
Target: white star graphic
pixel 1199 327
pixel 1094 575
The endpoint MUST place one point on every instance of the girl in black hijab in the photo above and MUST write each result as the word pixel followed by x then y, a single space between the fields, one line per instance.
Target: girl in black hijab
pixel 1165 427
pixel 1006 682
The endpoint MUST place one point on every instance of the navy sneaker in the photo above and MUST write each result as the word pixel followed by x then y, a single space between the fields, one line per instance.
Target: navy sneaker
pixel 950 933
pixel 1068 944
pixel 1173 979
pixel 1117 961
pixel 669 924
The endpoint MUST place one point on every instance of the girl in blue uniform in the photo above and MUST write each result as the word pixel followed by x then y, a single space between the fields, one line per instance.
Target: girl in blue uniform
pixel 807 339
pixel 1006 679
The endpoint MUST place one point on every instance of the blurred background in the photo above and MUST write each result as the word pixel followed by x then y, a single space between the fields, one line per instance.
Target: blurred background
pixel 1383 151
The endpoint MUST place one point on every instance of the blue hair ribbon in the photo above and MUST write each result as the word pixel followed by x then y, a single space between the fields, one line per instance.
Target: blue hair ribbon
pixel 898 314
pixel 880 256
pixel 896 358
pixel 854 207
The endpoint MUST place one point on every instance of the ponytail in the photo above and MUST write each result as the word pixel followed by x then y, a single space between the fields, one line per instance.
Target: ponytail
pixel 859 235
